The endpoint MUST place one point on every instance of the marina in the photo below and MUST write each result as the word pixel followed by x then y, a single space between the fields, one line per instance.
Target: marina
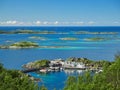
pixel 58 65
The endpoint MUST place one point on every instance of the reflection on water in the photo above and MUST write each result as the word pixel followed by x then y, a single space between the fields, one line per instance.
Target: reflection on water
pixel 70 72
pixel 55 79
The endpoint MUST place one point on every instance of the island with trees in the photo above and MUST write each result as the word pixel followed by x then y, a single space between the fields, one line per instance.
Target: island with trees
pixel 24 31
pixel 27 32
pixel 96 33
pixel 22 44
pixel 69 38
pixel 27 45
pixel 97 39
pixel 37 38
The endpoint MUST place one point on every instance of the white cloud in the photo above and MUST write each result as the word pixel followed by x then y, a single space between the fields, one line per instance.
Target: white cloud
pixel 91 22
pixel 8 22
pixel 45 22
pixel 14 22
pixel 11 22
pixel 37 22
pixel 56 22
pixel 78 23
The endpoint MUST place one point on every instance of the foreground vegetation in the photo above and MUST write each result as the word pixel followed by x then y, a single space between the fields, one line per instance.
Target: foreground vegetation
pixel 109 79
pixel 16 80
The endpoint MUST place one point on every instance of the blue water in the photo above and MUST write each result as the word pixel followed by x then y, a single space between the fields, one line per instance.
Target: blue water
pixel 101 50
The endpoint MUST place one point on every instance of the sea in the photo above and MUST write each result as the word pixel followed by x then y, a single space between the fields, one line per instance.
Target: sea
pixel 80 47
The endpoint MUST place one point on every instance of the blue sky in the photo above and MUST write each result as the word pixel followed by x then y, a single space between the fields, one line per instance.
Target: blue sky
pixel 60 12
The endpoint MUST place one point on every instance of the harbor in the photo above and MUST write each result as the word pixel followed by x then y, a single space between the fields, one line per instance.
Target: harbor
pixel 58 65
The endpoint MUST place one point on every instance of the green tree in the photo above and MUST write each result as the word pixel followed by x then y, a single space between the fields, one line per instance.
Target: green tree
pixel 109 79
pixel 43 87
pixel 15 80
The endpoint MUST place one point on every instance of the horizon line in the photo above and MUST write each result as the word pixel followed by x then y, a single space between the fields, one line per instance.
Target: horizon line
pixel 59 26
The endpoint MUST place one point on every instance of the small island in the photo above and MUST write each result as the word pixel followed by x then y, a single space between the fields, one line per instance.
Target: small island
pixel 51 47
pixel 88 32
pixel 69 38
pixel 37 38
pixel 22 44
pixel 27 32
pixel 28 44
pixel 96 39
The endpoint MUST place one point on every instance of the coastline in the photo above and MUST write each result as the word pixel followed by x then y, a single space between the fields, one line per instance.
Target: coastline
pixel 46 66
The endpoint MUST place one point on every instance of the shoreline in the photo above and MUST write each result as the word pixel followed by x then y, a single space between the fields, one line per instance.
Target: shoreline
pixel 46 66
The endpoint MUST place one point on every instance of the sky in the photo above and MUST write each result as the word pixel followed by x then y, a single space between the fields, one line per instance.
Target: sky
pixel 60 12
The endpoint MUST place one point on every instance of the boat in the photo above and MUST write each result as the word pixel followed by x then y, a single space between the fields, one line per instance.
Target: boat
pixel 43 70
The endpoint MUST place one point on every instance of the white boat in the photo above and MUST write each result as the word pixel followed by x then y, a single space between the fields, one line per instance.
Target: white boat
pixel 44 70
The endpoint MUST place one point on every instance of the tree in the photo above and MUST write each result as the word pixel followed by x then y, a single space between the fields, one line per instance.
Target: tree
pixel 15 80
pixel 43 88
pixel 109 79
